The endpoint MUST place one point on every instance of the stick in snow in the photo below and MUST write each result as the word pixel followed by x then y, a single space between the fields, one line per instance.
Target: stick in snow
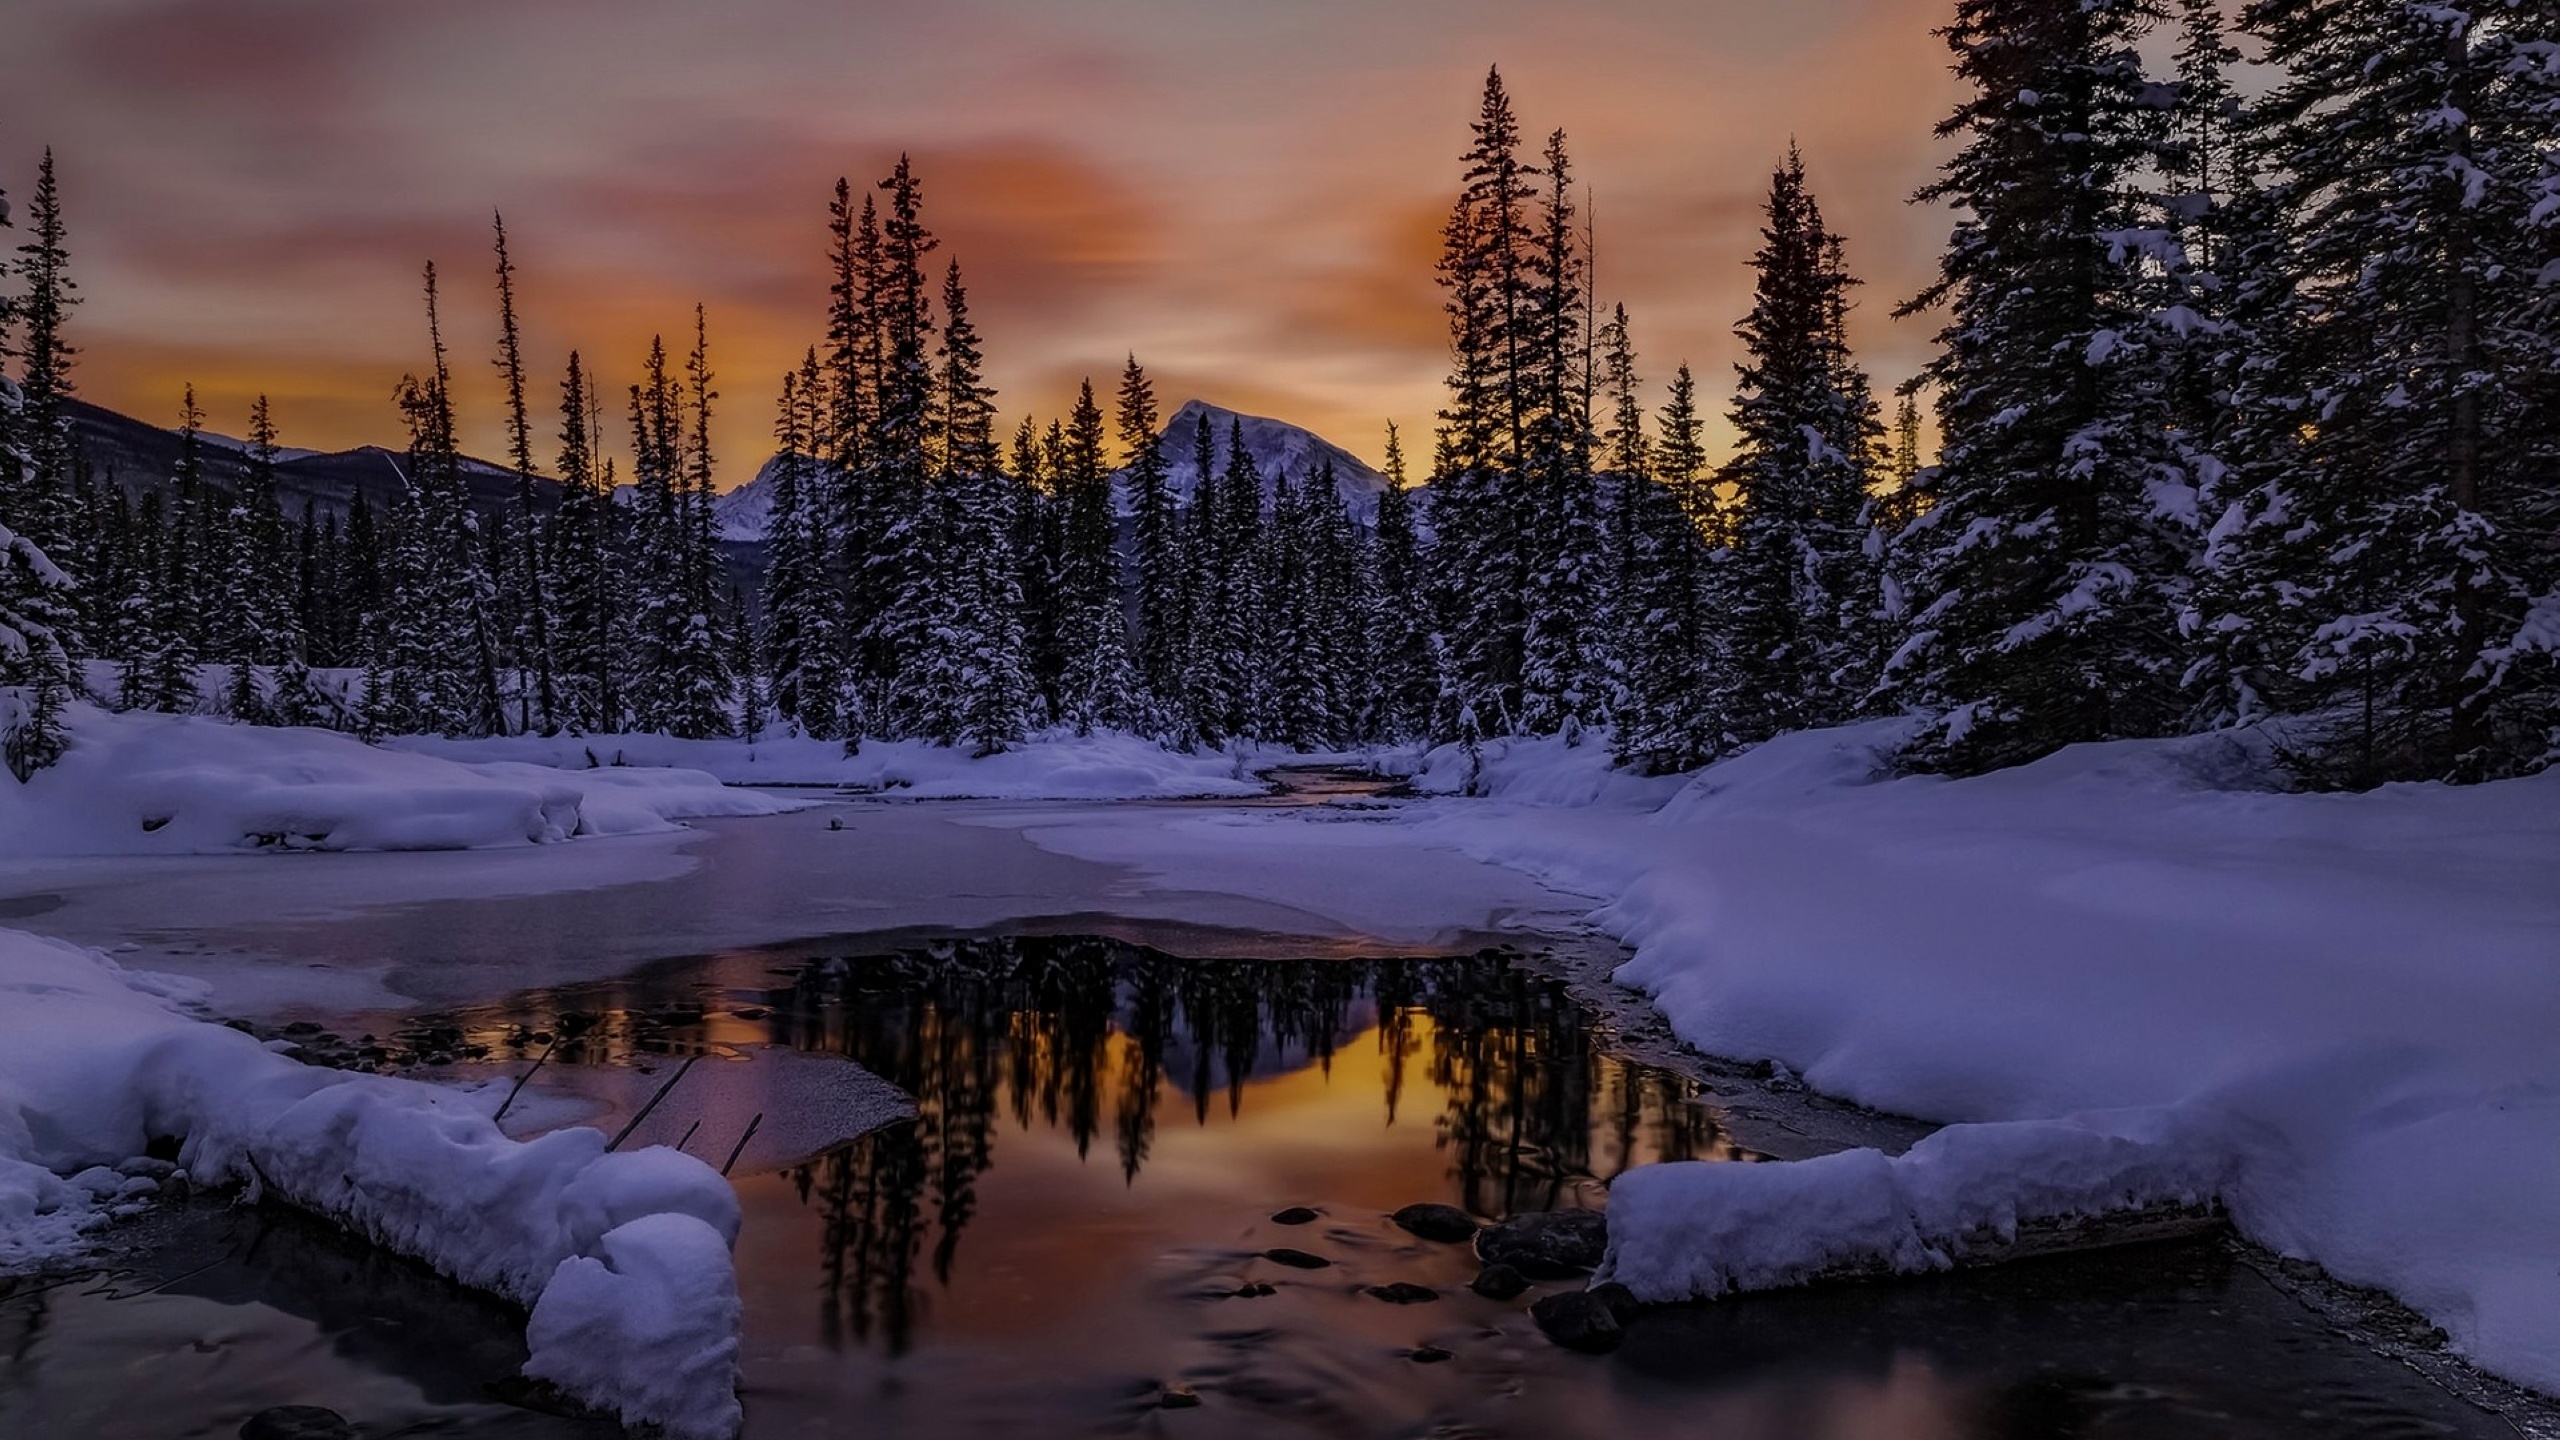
pixel 616 1143
pixel 741 1147
pixel 518 1087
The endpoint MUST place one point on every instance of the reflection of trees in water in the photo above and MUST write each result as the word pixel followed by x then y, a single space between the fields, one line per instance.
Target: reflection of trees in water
pixel 1094 1037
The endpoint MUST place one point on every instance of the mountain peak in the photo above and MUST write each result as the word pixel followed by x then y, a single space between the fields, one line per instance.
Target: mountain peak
pixel 1277 448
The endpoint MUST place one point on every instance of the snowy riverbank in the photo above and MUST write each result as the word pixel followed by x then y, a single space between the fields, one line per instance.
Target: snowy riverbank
pixel 2129 973
pixel 150 784
pixel 623 1259
pixel 1053 765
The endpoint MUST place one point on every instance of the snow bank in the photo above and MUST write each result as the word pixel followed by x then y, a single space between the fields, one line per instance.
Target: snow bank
pixel 1703 1229
pixel 93 1068
pixel 1055 765
pixel 149 784
pixel 2338 1008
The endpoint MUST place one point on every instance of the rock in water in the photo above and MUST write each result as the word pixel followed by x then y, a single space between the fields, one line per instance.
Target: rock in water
pixel 1578 1320
pixel 1402 1292
pixel 1547 1245
pixel 1295 1215
pixel 1620 1300
pixel 1295 1259
pixel 1446 1224
pixel 297 1422
pixel 1428 1355
pixel 1498 1282
pixel 1178 1397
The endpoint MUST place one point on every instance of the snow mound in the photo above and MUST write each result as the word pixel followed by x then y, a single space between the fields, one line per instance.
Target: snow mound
pixel 1054 765
pixel 1698 1230
pixel 150 784
pixel 92 1070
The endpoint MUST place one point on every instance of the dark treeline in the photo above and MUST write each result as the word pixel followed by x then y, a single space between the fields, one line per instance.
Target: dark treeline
pixel 2248 410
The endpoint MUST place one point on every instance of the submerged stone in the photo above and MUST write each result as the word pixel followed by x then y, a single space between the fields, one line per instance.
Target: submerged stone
pixel 1498 1282
pixel 1578 1320
pixel 1550 1244
pixel 1402 1292
pixel 1446 1224
pixel 1296 1215
pixel 1295 1259
pixel 297 1422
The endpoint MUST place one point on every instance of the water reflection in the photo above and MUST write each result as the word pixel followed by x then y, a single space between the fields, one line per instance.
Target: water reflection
pixel 1105 1044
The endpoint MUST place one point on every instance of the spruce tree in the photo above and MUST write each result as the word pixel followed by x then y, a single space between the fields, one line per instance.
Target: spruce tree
pixel 896 461
pixel 2374 574
pixel 1159 553
pixel 40 496
pixel 1094 688
pixel 1481 512
pixel 1800 585
pixel 537 685
pixel 1672 669
pixel 2044 581
pixel 1563 658
pixel 581 564
pixel 1400 622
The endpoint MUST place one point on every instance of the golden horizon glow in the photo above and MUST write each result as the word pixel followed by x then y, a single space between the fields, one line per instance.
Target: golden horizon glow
pixel 1245 196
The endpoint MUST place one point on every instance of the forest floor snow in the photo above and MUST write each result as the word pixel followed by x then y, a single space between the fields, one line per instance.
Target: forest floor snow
pixel 2129 974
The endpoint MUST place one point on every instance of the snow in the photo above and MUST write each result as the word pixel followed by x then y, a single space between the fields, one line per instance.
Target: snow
pixel 1055 765
pixel 96 1062
pixel 149 784
pixel 2331 1012
pixel 1277 448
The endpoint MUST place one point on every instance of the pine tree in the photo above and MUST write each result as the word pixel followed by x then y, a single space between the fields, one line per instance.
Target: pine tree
pixel 2374 573
pixel 1800 586
pixel 1242 677
pixel 1160 559
pixel 892 612
pixel 40 496
pixel 255 600
pixel 972 679
pixel 800 647
pixel 1481 511
pixel 580 560
pixel 1094 689
pixel 1400 617
pixel 159 671
pixel 537 684
pixel 2045 578
pixel 1563 662
pixel 1673 673
pixel 36 677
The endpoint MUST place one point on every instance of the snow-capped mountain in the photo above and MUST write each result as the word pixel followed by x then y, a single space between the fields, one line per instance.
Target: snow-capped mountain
pixel 1277 447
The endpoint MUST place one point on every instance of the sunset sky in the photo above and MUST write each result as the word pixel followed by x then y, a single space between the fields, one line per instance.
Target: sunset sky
pixel 1244 192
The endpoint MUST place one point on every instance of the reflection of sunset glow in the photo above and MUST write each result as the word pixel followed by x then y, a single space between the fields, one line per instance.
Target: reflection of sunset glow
pixel 1245 196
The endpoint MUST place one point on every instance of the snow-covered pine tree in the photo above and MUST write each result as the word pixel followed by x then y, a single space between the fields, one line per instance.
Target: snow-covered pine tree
pixel 1243 677
pixel 255 605
pixel 1159 552
pixel 708 685
pixel 1037 547
pixel 521 586
pixel 1799 586
pixel 2382 563
pixel 1399 616
pixel 893 605
pixel 1564 667
pixel 1205 704
pixel 802 649
pixel 2045 579
pixel 1095 687
pixel 972 680
pixel 164 616
pixel 1671 674
pixel 586 639
pixel 440 659
pixel 40 497
pixel 1482 556
pixel 35 666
